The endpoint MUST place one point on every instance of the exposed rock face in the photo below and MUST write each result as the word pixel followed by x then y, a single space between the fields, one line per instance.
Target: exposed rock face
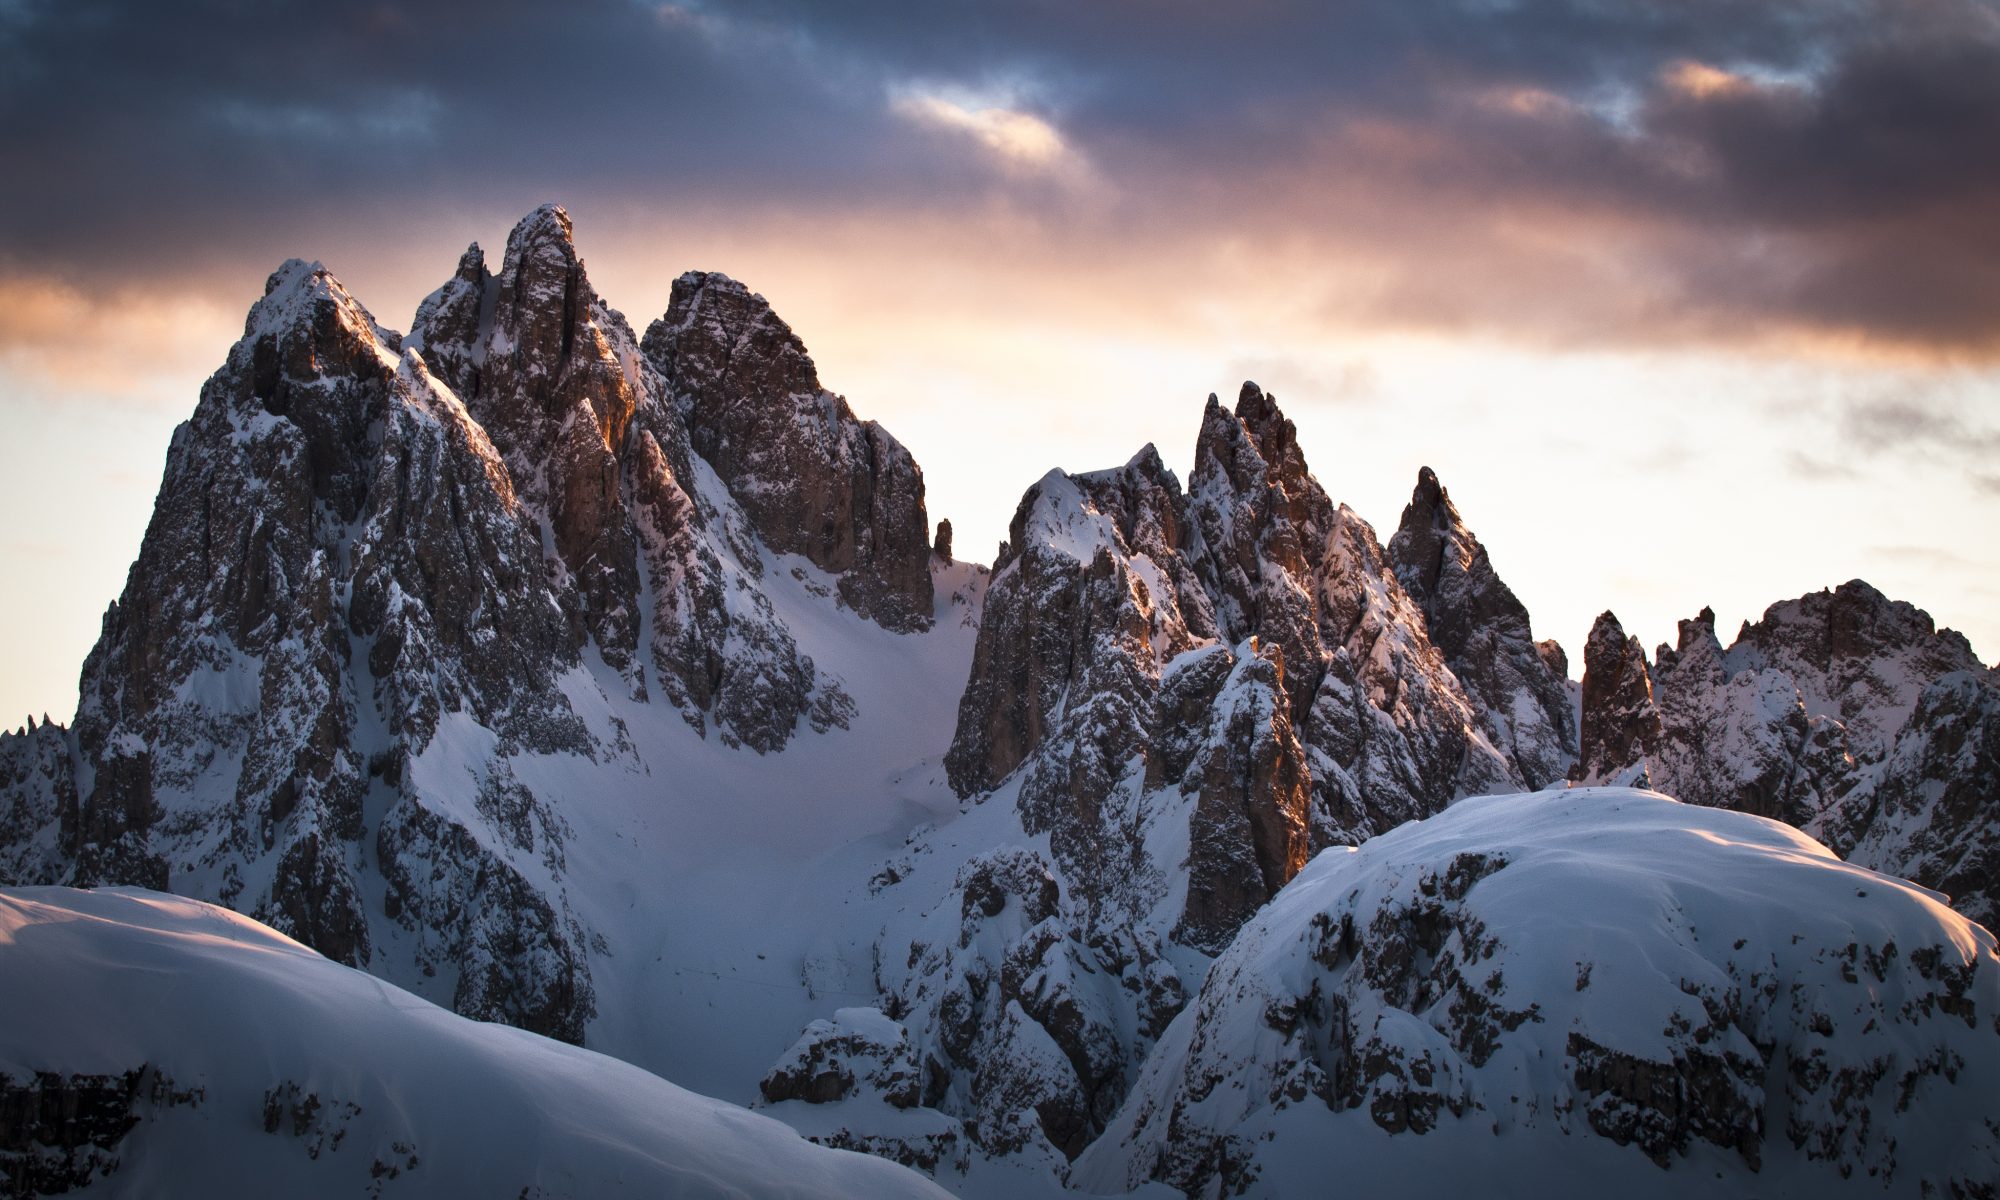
pixel 1715 993
pixel 1255 548
pixel 1933 814
pixel 335 536
pixel 1027 1016
pixel 37 796
pixel 386 582
pixel 546 370
pixel 1621 724
pixel 860 1081
pixel 1248 832
pixel 585 421
pixel 1483 631
pixel 1390 732
pixel 1844 713
pixel 812 478
pixel 62 1132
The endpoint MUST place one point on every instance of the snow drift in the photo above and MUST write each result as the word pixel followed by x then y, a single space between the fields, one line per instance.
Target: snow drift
pixel 156 1045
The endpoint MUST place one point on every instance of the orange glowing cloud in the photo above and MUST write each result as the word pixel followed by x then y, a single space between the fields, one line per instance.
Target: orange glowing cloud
pixel 1702 81
pixel 118 346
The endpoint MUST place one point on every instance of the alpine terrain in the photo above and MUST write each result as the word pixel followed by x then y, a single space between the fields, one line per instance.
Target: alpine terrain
pixel 617 687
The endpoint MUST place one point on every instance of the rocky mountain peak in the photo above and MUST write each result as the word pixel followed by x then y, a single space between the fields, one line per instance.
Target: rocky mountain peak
pixel 305 326
pixel 721 344
pixel 1482 629
pixel 1447 570
pixel 553 377
pixel 451 324
pixel 1856 654
pixel 1255 450
pixel 313 357
pixel 1621 724
pixel 553 326
pixel 812 478
pixel 1276 439
pixel 1257 505
pixel 549 225
pixel 381 573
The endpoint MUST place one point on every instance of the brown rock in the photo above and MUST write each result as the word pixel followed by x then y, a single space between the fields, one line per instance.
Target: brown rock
pixel 812 478
pixel 1621 724
pixel 1483 631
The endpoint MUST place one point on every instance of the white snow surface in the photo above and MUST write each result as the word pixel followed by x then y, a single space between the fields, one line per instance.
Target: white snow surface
pixel 1686 938
pixel 107 981
pixel 726 889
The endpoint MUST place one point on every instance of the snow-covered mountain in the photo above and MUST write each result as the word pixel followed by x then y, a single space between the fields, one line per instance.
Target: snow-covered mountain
pixel 1176 699
pixel 614 688
pixel 389 625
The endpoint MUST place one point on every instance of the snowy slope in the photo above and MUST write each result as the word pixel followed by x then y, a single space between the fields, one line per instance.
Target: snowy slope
pixel 220 1058
pixel 1568 993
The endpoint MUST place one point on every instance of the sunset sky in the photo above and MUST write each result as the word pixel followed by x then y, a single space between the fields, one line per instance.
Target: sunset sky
pixel 1688 303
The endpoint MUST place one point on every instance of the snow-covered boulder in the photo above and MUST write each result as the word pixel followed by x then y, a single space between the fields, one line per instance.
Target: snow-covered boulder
pixel 1569 993
pixel 858 1052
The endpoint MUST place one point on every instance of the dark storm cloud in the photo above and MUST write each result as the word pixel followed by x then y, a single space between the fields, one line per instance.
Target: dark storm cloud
pixel 149 138
pixel 1827 164
pixel 1639 171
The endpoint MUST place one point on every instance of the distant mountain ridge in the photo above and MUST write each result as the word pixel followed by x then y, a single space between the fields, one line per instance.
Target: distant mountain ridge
pixel 599 684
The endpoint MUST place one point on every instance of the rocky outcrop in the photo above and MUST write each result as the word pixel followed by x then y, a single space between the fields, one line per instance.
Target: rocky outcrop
pixel 1249 829
pixel 62 1132
pixel 1473 618
pixel 1856 655
pixel 1715 997
pixel 1621 725
pixel 859 1051
pixel 1027 1015
pixel 812 479
pixel 546 370
pixel 1843 712
pixel 853 1083
pixel 1931 810
pixel 587 426
pixel 37 796
pixel 1391 734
